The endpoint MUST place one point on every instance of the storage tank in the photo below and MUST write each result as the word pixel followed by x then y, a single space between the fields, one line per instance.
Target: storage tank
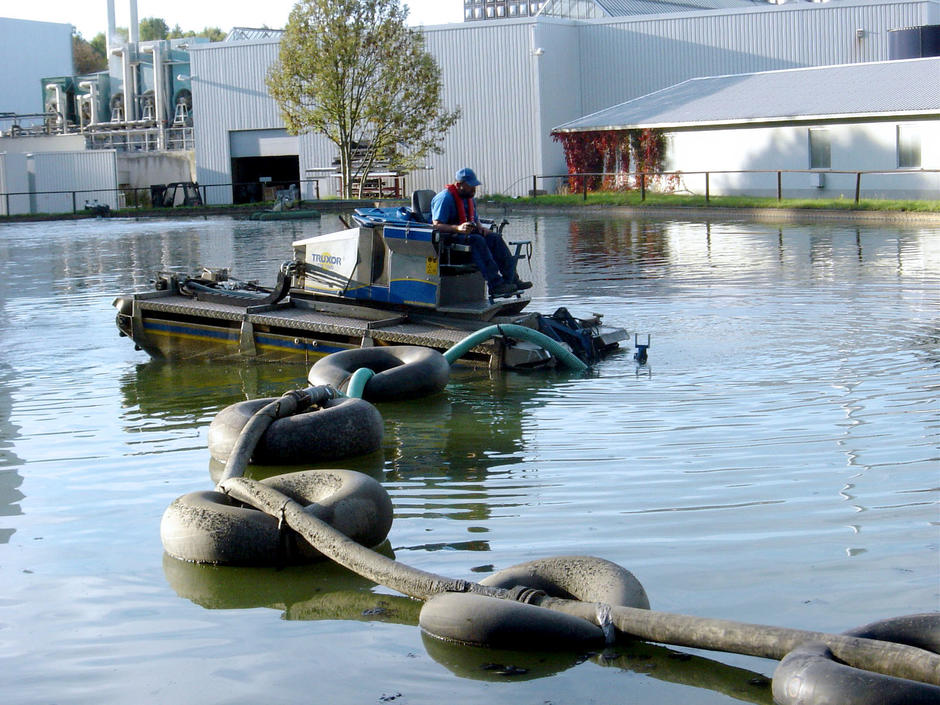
pixel 914 42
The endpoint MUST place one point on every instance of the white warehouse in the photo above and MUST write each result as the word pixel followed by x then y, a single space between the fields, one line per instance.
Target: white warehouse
pixel 829 130
pixel 529 76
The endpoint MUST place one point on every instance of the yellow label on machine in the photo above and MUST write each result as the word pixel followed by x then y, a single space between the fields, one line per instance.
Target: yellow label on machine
pixel 430 267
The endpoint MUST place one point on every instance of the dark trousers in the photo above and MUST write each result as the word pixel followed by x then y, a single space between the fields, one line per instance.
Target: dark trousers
pixel 490 254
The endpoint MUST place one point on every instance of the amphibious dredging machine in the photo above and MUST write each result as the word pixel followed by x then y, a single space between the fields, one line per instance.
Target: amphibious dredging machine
pixel 388 280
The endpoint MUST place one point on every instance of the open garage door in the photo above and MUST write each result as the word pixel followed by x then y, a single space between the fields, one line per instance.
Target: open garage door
pixel 263 161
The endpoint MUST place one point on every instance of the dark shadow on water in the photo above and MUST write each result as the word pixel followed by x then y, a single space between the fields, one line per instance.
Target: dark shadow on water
pixel 478 663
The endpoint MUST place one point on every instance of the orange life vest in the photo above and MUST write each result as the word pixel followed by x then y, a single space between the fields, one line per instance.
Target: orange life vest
pixel 461 209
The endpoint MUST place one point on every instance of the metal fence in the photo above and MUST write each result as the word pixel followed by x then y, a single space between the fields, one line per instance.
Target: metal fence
pixel 643 182
pixel 151 197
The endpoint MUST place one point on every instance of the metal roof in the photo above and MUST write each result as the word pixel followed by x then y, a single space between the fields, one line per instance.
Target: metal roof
pixel 251 34
pixel 587 9
pixel 621 8
pixel 827 92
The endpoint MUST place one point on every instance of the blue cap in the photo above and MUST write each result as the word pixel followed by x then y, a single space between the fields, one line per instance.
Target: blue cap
pixel 467 176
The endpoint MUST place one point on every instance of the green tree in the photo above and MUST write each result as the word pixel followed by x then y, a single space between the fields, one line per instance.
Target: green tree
pixel 100 44
pixel 85 56
pixel 353 71
pixel 213 34
pixel 153 28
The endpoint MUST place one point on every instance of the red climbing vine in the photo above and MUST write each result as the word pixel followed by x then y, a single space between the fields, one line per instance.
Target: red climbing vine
pixel 611 152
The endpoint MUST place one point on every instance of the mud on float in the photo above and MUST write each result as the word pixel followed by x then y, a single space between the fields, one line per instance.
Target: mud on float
pixel 389 280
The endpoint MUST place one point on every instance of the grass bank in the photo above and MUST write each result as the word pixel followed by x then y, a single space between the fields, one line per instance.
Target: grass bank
pixel 633 199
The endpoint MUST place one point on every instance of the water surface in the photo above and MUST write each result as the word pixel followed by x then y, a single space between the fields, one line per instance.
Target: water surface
pixel 777 461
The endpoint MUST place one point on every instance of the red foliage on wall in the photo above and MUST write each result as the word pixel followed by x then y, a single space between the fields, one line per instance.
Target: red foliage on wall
pixel 610 152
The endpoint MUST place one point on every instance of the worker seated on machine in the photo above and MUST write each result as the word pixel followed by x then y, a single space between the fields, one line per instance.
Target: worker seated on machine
pixel 453 212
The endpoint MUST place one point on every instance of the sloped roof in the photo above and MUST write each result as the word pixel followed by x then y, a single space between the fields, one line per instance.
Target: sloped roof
pixel 908 87
pixel 626 8
pixel 620 8
pixel 251 34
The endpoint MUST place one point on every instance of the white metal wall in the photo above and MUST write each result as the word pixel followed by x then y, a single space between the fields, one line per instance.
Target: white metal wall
pixel 490 72
pixel 865 146
pixel 29 52
pixel 14 184
pixel 77 176
pixel 229 95
pixel 629 57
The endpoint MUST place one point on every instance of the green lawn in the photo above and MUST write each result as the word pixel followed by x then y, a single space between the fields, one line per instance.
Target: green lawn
pixel 633 199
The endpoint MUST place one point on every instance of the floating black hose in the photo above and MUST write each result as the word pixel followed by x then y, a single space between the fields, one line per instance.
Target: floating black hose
pixel 888 658
pixel 290 403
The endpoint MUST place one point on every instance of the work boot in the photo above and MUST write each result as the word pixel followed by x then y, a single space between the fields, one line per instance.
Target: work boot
pixel 503 288
pixel 521 285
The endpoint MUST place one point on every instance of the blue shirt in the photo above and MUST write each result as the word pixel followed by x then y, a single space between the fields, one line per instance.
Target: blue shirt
pixel 444 209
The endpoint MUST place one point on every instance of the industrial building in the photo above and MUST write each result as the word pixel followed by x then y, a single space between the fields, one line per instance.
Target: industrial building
pixel 181 111
pixel 820 130
pixel 138 114
pixel 548 71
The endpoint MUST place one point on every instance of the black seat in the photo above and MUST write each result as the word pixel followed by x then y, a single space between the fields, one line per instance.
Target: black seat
pixel 421 204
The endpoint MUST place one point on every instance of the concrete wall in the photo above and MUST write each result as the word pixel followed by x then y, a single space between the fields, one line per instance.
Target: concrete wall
pixel 46 143
pixel 140 170
pixel 862 146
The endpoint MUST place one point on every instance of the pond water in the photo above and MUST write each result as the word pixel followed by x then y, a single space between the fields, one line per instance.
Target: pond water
pixel 777 462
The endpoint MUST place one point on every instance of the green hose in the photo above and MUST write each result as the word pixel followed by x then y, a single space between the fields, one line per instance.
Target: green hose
pixel 357 382
pixel 516 331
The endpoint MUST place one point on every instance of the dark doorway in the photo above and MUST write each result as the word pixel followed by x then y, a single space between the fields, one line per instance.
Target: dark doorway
pixel 277 172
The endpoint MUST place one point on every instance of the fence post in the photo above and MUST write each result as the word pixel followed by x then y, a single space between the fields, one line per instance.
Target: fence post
pixel 642 185
pixel 535 190
pixel 779 186
pixel 584 183
pixel 858 185
pixel 74 205
pixel 707 191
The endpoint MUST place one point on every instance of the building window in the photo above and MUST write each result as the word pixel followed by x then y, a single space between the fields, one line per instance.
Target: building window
pixel 820 149
pixel 908 146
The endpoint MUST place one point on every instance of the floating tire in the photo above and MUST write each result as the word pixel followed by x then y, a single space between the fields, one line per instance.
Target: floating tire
pixel 401 371
pixel 341 428
pixel 810 674
pixel 469 618
pixel 583 578
pixel 211 527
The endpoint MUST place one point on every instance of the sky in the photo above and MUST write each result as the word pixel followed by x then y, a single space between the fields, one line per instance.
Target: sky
pixel 91 16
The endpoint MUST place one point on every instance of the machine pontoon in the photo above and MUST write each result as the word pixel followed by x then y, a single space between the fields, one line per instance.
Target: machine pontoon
pixel 387 280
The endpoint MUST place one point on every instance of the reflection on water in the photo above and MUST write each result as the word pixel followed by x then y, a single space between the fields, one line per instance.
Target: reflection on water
pixel 10 479
pixel 775 462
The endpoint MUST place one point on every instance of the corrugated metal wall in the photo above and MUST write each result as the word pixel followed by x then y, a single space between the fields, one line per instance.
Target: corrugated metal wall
pixel 93 172
pixel 623 59
pixel 228 94
pixel 516 80
pixel 490 73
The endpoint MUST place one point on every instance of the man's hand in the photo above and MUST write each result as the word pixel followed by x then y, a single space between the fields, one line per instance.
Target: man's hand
pixel 466 228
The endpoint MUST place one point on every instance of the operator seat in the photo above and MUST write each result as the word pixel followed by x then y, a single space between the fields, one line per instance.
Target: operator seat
pixel 421 204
